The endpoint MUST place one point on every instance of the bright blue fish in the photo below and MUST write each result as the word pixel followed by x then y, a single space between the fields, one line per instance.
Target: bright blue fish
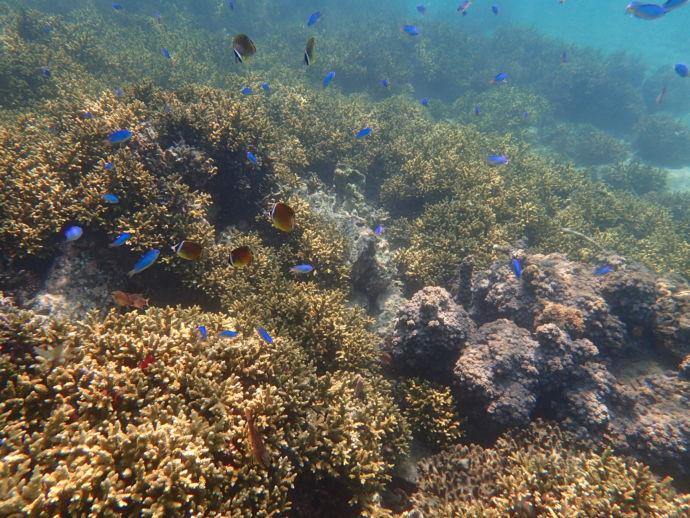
pixel 231 5
pixel 203 332
pixel 119 136
pixel 119 92
pixel 500 78
pixel 517 267
pixel 87 115
pixel 497 160
pixel 424 101
pixel 227 334
pixel 165 52
pixel 329 77
pixel 363 132
pixel 120 240
pixel 264 334
pixel 167 108
pixel 252 157
pixel 669 5
pixel 476 109
pixel 422 9
pixel 265 87
pixel 564 57
pixel 44 72
pixel 302 268
pixel 146 260
pixel 108 166
pixel 158 17
pixel 603 271
pixel 379 230
pixel 526 115
pixel 681 69
pixel 110 198
pixel 410 30
pixel 73 233
pixel 384 82
pixel 315 17
pixel 645 11
pixel 116 6
pixel 246 90
pixel 494 9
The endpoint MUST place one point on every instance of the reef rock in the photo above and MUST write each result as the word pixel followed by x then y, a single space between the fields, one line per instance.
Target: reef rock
pixel 601 354
pixel 429 334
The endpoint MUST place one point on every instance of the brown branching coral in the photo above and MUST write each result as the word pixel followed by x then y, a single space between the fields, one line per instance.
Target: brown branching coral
pixel 430 410
pixel 181 432
pixel 542 473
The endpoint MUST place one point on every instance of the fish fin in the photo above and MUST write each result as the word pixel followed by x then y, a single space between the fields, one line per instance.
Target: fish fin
pixel 131 273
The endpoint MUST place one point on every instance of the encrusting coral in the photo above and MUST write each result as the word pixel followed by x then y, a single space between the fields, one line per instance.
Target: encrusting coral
pixel 146 417
pixel 542 472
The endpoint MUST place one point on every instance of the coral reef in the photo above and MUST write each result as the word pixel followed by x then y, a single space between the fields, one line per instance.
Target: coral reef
pixel 600 353
pixel 542 472
pixel 635 177
pixel 584 144
pixel 430 411
pixel 136 414
pixel 429 333
pixel 662 140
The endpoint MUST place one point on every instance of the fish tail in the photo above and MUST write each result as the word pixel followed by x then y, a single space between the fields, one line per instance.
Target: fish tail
pixel 131 273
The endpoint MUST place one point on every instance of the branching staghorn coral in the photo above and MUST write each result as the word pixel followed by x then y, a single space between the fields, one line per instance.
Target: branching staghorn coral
pixel 148 418
pixel 542 472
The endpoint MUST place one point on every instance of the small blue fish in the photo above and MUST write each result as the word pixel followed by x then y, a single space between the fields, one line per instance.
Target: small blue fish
pixel 167 108
pixel 120 240
pixel 202 331
pixel 328 78
pixel 44 72
pixel 116 6
pixel 476 109
pixel 265 87
pixel 165 52
pixel 517 267
pixel 252 158
pixel 410 30
pixel 670 5
pixel 301 268
pixel 464 5
pixel 384 82
pixel 379 230
pixel 110 198
pixel 227 334
pixel 246 90
pixel 501 77
pixel 422 9
pixel 494 9
pixel 144 262
pixel 424 101
pixel 645 11
pixel 158 17
pixel 681 69
pixel 231 5
pixel 264 334
pixel 108 166
pixel 603 271
pixel 87 115
pixel 564 57
pixel 119 92
pixel 363 132
pixel 119 136
pixel 315 17
pixel 494 160
pixel 73 233
pixel 525 115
